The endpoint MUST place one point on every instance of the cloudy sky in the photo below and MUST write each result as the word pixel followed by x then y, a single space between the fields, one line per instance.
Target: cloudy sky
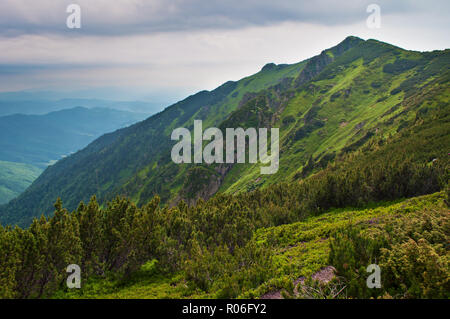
pixel 139 49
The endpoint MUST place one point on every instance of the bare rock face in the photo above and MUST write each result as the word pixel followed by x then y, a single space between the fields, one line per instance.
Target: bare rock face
pixel 316 64
pixel 203 183
pixel 325 274
pixel 313 68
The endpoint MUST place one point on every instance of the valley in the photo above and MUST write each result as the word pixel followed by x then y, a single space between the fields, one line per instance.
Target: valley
pixel 31 143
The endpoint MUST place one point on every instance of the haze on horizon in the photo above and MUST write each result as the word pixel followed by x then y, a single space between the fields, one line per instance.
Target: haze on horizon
pixel 136 49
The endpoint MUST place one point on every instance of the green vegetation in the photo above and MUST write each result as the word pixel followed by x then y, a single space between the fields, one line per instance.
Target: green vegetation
pixel 29 143
pixel 250 243
pixel 411 236
pixel 297 250
pixel 15 178
pixel 42 139
pixel 363 178
pixel 410 246
pixel 326 106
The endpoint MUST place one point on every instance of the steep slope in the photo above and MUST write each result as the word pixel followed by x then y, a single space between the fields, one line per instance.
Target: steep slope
pixel 373 90
pixel 190 182
pixel 220 247
pixel 339 101
pixel 325 106
pixel 110 161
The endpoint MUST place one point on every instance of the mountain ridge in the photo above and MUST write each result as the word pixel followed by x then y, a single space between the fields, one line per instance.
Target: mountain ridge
pixel 323 105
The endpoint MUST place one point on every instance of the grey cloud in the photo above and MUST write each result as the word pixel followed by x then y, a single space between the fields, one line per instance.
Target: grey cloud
pixel 121 17
pixel 137 43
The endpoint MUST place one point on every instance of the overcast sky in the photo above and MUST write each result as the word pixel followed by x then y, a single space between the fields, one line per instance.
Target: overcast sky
pixel 140 49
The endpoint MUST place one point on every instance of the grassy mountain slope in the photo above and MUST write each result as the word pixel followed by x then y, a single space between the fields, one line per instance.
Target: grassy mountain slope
pixel 327 106
pixel 374 89
pixel 110 161
pixel 191 182
pixel 338 101
pixel 256 242
pixel 15 178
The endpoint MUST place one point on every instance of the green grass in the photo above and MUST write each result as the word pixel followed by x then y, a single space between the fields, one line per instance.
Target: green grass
pixel 15 178
pixel 148 283
pixel 299 249
pixel 333 112
pixel 217 113
pixel 354 102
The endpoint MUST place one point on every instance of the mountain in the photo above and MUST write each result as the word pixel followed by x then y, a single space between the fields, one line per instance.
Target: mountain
pixel 363 181
pixel 327 106
pixel 29 143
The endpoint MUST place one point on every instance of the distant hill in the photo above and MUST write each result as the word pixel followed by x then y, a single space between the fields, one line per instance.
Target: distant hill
pixel 40 139
pixel 40 103
pixel 29 143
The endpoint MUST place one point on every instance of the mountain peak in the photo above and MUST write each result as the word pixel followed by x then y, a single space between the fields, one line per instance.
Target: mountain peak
pixel 353 38
pixel 269 66
pixel 348 43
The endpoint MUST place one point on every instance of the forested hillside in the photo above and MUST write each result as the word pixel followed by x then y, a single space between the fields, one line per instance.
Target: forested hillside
pixel 227 246
pixel 29 143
